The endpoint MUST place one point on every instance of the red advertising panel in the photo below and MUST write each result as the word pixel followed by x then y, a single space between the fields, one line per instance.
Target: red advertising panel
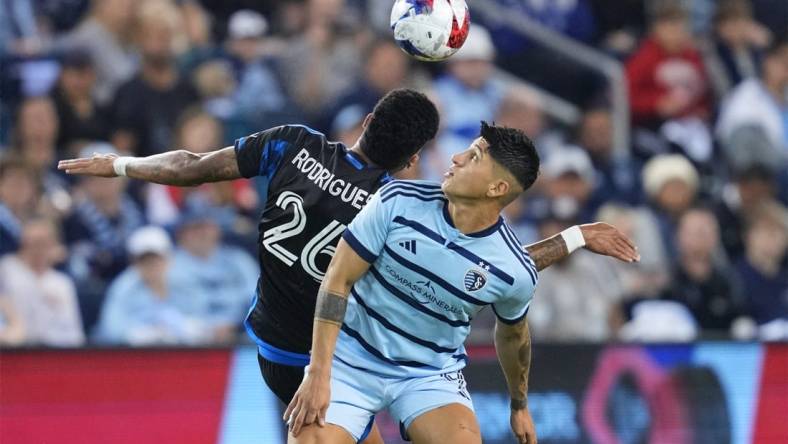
pixel 107 396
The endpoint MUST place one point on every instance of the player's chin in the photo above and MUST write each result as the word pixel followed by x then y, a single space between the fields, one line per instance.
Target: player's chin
pixel 446 185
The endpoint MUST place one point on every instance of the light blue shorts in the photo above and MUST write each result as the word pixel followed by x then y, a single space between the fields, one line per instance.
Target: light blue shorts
pixel 357 395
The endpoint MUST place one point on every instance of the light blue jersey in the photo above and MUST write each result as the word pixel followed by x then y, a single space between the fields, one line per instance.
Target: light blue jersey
pixel 409 315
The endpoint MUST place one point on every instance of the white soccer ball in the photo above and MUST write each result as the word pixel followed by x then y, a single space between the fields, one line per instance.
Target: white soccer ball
pixel 430 30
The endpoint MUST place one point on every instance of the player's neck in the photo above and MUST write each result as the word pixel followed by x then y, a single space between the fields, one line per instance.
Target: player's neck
pixel 472 217
pixel 356 149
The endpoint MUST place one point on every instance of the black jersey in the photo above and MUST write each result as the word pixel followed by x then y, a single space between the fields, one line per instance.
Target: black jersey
pixel 315 188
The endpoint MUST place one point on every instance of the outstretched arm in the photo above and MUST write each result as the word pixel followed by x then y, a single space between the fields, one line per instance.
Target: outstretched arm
pixel 311 401
pixel 600 238
pixel 181 167
pixel 513 346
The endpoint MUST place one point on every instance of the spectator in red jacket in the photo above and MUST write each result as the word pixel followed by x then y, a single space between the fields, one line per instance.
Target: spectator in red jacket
pixel 666 76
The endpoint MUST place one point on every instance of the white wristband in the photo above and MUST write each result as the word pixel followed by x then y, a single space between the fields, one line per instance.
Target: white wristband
pixel 119 165
pixel 573 238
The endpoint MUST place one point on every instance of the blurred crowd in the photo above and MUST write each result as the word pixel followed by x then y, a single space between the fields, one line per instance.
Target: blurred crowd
pixel 702 187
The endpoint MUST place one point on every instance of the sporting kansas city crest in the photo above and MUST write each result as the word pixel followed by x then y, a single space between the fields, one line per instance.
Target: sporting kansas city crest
pixel 474 280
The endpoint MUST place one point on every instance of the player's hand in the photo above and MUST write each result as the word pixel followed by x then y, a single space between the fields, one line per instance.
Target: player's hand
pixel 98 165
pixel 607 240
pixel 523 426
pixel 310 402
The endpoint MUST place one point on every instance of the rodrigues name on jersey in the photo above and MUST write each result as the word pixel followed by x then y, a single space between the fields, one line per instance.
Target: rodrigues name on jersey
pixel 314 189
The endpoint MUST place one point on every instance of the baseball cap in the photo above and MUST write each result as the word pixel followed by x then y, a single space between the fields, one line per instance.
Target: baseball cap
pixel 247 24
pixel 149 239
pixel 569 159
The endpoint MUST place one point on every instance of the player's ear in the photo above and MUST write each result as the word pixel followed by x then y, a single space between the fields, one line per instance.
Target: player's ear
pixel 498 188
pixel 366 121
pixel 414 159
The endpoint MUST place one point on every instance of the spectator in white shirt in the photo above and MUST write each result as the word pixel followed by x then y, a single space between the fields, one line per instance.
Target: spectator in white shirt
pixel 761 102
pixel 43 297
pixel 144 306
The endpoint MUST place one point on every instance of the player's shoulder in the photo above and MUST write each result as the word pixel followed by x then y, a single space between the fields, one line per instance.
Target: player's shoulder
pixel 515 256
pixel 419 190
pixel 298 132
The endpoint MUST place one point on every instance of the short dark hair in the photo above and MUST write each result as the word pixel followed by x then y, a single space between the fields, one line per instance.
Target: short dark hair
pixel 514 151
pixel 402 122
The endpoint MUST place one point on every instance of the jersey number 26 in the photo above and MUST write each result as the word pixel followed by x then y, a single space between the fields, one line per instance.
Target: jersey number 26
pixel 321 243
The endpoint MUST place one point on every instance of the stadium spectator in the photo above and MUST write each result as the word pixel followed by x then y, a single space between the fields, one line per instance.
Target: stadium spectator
pixel 466 95
pixel 616 173
pixel 102 218
pixel 81 119
pixel 568 184
pixel 18 198
pixel 105 34
pixel 668 89
pixel 324 61
pixel 734 52
pixel 197 23
pixel 763 273
pixel 144 305
pixel 752 185
pixel 760 102
pixel 147 106
pixel 216 85
pixel 522 108
pixel 666 76
pixel 575 296
pixel 44 297
pixel 671 184
pixel 643 281
pixel 699 281
pixel 220 278
pixel 260 98
pixel 386 67
pixel 34 141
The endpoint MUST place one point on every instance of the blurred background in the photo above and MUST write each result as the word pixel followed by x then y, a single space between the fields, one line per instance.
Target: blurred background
pixel 668 119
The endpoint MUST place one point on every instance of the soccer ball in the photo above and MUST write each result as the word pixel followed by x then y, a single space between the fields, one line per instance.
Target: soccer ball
pixel 430 30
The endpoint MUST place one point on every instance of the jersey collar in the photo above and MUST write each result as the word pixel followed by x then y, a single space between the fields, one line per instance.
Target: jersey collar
pixel 482 233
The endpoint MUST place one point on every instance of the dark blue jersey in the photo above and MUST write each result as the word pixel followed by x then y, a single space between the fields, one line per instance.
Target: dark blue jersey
pixel 315 188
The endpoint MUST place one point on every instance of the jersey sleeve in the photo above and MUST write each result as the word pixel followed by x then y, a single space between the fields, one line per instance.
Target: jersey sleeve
pixel 512 308
pixel 367 233
pixel 261 153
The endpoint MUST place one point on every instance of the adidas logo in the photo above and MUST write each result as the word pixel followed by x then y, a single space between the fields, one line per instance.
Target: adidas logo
pixel 409 245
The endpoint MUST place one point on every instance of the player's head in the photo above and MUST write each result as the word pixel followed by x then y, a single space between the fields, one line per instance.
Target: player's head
pixel 500 164
pixel 399 126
